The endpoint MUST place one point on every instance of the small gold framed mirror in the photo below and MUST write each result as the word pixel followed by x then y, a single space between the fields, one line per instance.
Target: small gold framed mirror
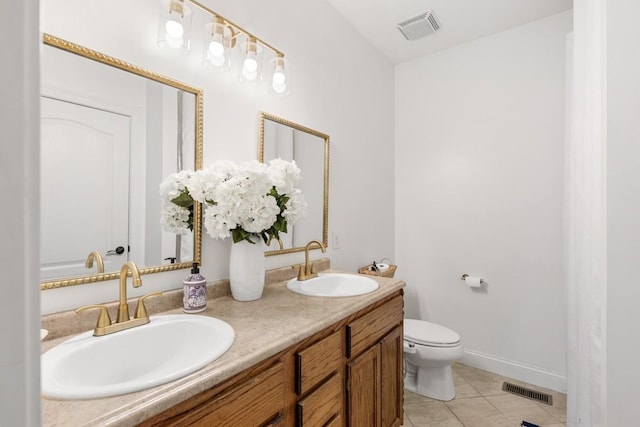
pixel 309 148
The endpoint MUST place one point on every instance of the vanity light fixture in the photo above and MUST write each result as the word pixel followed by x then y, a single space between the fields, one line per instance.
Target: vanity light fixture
pixel 221 36
pixel 280 76
pixel 174 27
pixel 251 64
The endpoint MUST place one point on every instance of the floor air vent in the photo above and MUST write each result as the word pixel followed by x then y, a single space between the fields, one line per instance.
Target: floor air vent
pixel 528 393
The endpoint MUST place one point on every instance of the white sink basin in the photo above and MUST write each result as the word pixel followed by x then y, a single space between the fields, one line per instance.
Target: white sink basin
pixel 334 285
pixel 167 348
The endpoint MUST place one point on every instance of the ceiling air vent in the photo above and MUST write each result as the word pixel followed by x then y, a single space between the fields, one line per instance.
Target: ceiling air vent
pixel 419 26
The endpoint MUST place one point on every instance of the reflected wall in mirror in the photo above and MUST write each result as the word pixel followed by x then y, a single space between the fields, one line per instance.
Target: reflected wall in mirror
pixel 281 138
pixel 110 133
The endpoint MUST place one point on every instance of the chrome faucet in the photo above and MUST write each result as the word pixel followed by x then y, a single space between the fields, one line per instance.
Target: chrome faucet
pixel 95 256
pixel 308 271
pixel 123 321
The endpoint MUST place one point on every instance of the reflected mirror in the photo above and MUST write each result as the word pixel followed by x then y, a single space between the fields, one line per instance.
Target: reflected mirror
pixel 280 138
pixel 110 133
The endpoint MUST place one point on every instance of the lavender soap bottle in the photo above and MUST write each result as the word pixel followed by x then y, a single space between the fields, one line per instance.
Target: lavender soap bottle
pixel 195 291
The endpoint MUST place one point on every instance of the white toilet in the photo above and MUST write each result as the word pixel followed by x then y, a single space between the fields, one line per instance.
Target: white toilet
pixel 429 351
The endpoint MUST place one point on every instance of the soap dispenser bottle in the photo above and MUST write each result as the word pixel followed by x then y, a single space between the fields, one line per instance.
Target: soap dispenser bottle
pixel 195 291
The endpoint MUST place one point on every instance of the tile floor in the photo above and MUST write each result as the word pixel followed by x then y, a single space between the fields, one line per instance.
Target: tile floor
pixel 480 402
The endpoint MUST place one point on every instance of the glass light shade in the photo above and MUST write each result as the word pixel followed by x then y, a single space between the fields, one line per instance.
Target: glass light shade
pixel 217 48
pixel 174 25
pixel 251 65
pixel 280 76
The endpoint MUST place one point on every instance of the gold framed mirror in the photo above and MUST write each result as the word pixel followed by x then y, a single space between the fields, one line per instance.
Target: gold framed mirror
pixel 110 132
pixel 281 138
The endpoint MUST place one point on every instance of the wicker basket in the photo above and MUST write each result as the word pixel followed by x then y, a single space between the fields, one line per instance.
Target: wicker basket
pixel 389 273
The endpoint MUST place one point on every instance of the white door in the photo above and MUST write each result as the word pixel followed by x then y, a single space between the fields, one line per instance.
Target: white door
pixel 84 186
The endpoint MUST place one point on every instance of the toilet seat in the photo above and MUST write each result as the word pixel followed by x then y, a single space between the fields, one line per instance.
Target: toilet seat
pixel 429 334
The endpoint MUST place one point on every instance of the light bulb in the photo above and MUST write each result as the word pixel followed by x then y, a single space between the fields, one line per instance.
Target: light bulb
pixel 278 78
pixel 249 75
pixel 250 64
pixel 174 42
pixel 174 29
pixel 217 61
pixel 279 88
pixel 216 49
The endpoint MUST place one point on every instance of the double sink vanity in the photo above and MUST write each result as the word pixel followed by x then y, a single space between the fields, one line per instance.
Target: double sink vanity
pixel 286 359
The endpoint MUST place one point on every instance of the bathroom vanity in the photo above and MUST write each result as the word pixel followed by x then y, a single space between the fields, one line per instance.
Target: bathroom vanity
pixel 296 361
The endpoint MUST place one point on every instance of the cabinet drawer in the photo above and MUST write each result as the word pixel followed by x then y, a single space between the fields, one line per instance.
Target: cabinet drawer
pixel 255 402
pixel 321 406
pixel 317 362
pixel 368 329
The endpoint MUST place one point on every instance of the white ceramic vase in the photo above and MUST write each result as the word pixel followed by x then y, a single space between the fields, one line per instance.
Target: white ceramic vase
pixel 246 269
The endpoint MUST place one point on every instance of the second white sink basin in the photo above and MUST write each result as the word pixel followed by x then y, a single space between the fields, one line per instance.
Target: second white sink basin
pixel 334 285
pixel 167 348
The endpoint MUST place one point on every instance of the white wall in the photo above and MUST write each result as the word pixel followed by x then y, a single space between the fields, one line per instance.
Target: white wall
pixel 623 212
pixel 19 218
pixel 479 190
pixel 339 86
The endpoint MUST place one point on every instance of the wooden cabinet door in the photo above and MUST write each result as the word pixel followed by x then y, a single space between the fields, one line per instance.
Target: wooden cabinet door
pixel 391 358
pixel 363 376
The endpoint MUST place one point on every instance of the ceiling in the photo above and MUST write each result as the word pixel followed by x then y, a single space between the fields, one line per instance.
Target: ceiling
pixel 461 21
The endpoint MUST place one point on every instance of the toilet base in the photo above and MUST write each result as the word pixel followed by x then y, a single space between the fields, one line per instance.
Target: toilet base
pixel 435 383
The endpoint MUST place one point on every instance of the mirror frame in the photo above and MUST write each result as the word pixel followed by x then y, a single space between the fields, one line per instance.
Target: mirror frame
pixel 325 216
pixel 73 48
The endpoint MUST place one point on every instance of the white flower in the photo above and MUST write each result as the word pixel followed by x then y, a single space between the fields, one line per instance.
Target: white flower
pixel 203 184
pixel 259 214
pixel 174 184
pixel 284 175
pixel 215 221
pixel 175 219
pixel 296 207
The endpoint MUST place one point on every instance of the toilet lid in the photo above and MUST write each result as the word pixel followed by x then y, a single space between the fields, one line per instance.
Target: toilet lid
pixel 430 334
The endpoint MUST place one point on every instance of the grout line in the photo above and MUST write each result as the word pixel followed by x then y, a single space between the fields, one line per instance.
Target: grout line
pixel 408 418
pixel 498 409
pixel 454 414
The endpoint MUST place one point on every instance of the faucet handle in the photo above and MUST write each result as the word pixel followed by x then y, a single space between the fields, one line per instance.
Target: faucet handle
pixel 104 319
pixel 141 310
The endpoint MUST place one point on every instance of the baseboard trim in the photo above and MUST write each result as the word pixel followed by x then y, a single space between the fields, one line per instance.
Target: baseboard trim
pixel 516 370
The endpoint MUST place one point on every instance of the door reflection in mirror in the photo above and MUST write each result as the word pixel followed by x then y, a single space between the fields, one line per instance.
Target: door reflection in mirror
pixel 109 137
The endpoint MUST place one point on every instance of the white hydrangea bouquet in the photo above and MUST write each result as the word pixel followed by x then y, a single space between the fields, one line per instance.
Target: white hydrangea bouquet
pixel 243 200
